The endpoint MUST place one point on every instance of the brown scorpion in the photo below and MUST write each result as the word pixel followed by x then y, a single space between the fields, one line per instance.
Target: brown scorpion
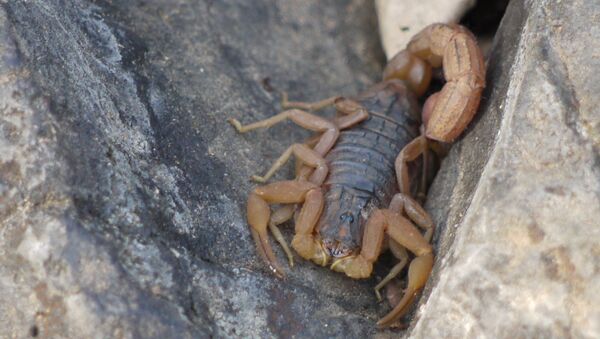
pixel 353 183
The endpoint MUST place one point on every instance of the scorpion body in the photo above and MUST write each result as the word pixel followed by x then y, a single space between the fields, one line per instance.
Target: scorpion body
pixel 361 165
pixel 353 186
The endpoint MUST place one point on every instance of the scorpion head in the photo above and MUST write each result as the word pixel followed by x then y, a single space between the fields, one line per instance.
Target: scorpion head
pixel 337 236
pixel 340 227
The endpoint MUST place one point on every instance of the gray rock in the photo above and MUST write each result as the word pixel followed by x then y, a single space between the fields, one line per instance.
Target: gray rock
pixel 517 200
pixel 122 188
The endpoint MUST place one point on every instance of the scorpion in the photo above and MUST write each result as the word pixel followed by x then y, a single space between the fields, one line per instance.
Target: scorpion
pixel 352 185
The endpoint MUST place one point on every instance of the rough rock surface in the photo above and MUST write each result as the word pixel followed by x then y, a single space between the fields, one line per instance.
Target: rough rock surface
pixel 518 199
pixel 122 188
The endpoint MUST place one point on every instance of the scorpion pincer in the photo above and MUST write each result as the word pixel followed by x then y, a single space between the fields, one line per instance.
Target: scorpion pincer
pixel 353 184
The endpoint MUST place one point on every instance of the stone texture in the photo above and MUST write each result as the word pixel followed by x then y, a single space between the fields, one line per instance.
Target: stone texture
pixel 518 199
pixel 122 188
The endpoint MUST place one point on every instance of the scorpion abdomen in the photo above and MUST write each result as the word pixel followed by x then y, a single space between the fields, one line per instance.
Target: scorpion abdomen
pixel 361 164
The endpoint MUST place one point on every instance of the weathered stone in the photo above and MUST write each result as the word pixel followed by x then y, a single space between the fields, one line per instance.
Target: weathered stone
pixel 517 200
pixel 122 187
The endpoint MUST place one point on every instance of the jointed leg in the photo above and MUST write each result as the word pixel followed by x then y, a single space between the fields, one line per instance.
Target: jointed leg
pixel 258 213
pixel 397 205
pixel 404 204
pixel 409 153
pixel 426 114
pixel 400 253
pixel 278 217
pixel 308 157
pixel 309 214
pixel 304 240
pixel 302 118
pixel 307 106
pixel 405 233
pixel 353 113
pixel 402 231
pixel 422 191
pixel 320 142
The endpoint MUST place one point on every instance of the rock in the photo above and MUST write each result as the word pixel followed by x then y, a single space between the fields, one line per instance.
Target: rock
pixel 122 187
pixel 517 199
pixel 399 21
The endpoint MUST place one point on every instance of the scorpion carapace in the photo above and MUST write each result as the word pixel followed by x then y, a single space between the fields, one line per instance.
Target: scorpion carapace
pixel 353 186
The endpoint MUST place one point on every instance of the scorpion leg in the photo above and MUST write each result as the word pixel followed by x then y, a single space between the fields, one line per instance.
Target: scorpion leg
pixel 320 142
pixel 406 235
pixel 403 204
pixel 419 146
pixel 417 275
pixel 302 118
pixel 409 153
pixel 307 106
pixel 400 253
pixel 308 157
pixel 304 241
pixel 287 192
pixel 286 212
pixel 353 113
pixel 302 172
pixel 278 217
